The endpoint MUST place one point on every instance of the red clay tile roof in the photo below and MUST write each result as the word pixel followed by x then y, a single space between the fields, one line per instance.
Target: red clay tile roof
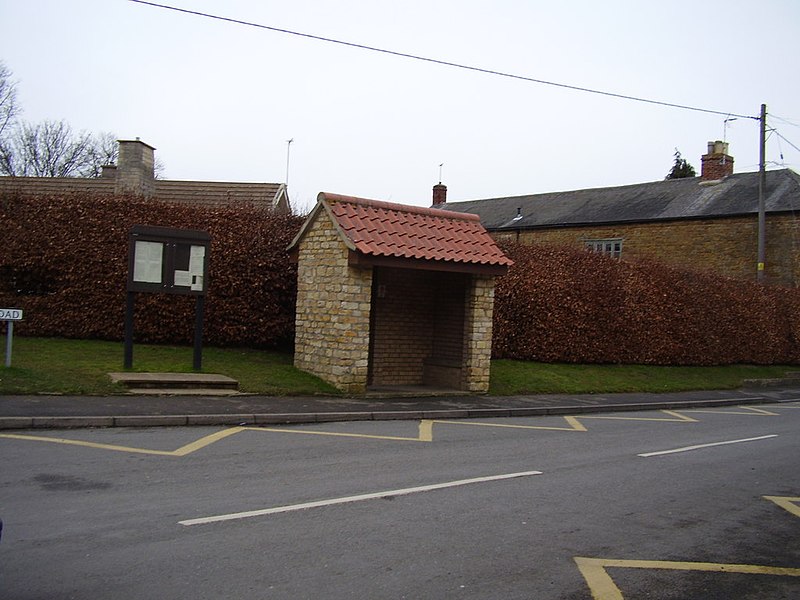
pixel 395 230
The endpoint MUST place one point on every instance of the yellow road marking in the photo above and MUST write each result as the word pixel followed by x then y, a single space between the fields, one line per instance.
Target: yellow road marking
pixel 182 451
pixel 599 581
pixel 575 422
pixel 207 441
pixel 751 411
pixel 575 425
pixel 426 430
pixel 677 417
pixel 603 587
pixel 786 502
pixel 425 433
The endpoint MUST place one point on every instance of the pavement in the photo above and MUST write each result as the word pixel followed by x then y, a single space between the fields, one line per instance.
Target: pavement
pixel 148 410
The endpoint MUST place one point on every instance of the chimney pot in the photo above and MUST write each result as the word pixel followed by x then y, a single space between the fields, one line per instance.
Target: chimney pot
pixel 717 164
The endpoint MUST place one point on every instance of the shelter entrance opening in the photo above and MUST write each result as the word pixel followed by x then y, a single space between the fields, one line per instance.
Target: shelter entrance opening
pixel 417 328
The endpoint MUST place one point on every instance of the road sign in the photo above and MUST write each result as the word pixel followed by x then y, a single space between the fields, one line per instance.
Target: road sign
pixel 10 315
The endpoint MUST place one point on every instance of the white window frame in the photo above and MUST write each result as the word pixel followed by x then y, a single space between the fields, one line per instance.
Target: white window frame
pixel 609 246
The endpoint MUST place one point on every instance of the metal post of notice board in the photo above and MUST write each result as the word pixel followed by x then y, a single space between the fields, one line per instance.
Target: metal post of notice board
pixel 9 315
pixel 128 344
pixel 199 309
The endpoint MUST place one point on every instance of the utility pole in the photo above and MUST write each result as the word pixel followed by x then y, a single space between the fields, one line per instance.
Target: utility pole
pixel 762 185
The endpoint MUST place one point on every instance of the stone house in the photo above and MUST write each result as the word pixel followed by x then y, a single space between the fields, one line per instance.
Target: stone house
pixel 705 223
pixel 394 295
pixel 134 174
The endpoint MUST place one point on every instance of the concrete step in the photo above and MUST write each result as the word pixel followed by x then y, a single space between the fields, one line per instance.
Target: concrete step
pixel 183 392
pixel 177 383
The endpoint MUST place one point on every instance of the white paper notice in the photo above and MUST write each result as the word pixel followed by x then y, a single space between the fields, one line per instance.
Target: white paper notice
pixel 197 283
pixel 183 278
pixel 196 256
pixel 147 260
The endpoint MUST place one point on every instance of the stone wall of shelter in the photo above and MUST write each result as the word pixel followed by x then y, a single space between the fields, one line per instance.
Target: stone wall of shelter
pixel 333 310
pixel 478 334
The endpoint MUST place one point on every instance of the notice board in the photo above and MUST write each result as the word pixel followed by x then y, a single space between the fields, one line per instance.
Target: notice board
pixel 168 260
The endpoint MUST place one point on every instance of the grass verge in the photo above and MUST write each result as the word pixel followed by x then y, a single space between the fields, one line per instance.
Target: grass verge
pixel 78 367
pixel 513 377
pixel 61 366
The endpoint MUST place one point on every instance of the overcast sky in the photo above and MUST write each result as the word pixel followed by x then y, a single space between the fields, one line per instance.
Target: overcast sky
pixel 219 100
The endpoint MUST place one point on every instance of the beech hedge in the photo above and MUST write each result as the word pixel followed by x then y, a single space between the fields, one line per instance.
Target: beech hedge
pixel 63 260
pixel 565 305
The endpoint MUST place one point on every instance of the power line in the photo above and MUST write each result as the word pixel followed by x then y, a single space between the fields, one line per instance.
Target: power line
pixel 446 63
pixel 787 121
pixel 787 141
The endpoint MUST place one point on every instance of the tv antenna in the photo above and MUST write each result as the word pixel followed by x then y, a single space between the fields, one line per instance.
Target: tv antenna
pixel 288 148
pixel 725 127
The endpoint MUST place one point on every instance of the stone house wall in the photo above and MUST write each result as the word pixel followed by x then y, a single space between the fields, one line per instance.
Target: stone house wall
pixel 727 246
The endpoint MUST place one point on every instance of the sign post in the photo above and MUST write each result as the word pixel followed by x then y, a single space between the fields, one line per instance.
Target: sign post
pixel 10 315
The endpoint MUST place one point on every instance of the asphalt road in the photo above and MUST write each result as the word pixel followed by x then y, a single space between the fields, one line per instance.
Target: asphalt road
pixel 524 508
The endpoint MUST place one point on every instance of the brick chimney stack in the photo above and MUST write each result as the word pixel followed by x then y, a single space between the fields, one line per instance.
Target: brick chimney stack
pixel 439 195
pixel 717 163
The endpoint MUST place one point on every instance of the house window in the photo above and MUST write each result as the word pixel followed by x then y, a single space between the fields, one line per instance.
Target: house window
pixel 611 247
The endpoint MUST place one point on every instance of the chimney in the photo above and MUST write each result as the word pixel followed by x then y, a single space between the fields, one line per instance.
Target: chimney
pixel 135 168
pixel 439 195
pixel 717 163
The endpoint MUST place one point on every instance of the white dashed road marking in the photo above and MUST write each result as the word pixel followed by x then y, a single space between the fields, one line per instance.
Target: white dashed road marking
pixel 348 499
pixel 701 446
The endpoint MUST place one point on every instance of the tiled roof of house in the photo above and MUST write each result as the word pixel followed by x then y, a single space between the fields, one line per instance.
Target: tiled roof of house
pixel 383 229
pixel 51 186
pixel 205 193
pixel 655 201
pixel 217 192
pixel 134 175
